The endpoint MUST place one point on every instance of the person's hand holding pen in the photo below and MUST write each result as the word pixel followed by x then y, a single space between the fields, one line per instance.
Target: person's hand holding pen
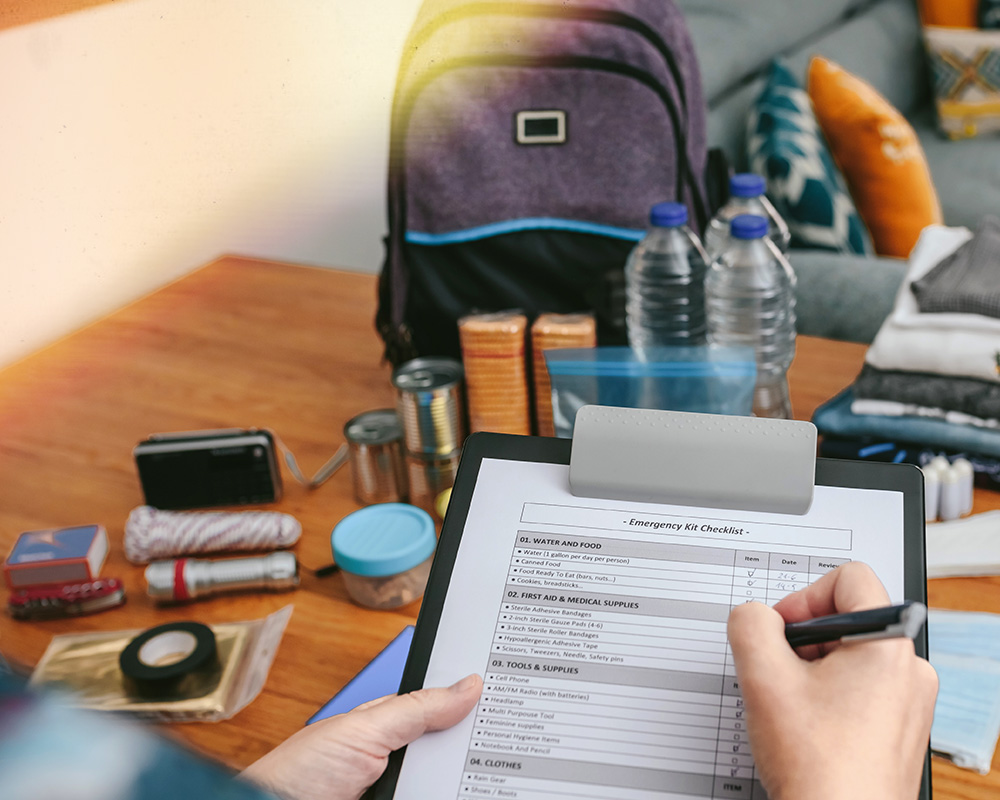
pixel 832 720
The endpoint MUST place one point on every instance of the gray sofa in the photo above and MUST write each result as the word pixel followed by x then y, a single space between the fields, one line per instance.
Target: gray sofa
pixel 880 41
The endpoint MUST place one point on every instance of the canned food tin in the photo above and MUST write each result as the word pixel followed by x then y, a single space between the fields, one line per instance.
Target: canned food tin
pixel 375 442
pixel 429 476
pixel 429 402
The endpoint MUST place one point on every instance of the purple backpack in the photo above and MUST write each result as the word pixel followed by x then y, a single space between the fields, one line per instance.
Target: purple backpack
pixel 529 141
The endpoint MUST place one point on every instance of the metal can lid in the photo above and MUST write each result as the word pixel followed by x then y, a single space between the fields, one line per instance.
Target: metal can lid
pixel 383 539
pixel 380 426
pixel 427 374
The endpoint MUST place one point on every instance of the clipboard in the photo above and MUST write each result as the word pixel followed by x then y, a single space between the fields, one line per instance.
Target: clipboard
pixel 613 532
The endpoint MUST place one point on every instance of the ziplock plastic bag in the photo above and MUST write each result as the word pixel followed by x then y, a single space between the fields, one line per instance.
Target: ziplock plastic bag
pixel 707 378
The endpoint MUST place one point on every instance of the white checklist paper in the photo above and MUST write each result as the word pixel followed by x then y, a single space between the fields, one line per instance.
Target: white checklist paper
pixel 599 627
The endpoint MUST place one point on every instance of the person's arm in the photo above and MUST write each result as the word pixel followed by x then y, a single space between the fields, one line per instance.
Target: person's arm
pixel 339 757
pixel 833 721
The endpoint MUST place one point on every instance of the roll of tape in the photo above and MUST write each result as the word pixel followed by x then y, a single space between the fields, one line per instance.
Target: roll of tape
pixel 158 659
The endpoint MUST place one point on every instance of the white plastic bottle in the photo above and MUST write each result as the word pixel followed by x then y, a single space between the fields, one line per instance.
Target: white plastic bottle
pixel 746 196
pixel 750 301
pixel 664 283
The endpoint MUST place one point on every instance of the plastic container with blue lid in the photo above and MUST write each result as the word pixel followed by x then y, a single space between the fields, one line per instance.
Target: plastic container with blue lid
pixel 384 552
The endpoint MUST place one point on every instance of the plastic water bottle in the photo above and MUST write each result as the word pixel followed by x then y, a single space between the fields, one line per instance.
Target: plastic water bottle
pixel 750 301
pixel 746 196
pixel 664 283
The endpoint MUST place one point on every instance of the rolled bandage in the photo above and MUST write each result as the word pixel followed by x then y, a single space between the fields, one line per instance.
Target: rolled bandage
pixel 151 533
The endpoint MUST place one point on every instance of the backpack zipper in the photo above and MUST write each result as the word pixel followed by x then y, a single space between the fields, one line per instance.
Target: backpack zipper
pixel 579 14
pixel 560 62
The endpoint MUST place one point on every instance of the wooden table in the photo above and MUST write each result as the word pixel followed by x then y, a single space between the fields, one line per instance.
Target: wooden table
pixel 247 343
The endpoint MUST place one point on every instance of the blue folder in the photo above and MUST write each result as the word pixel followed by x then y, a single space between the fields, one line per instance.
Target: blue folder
pixel 380 677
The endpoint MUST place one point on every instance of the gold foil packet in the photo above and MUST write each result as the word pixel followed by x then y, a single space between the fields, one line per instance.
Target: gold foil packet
pixel 87 667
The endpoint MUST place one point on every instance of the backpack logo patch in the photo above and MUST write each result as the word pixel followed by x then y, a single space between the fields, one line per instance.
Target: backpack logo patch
pixel 540 127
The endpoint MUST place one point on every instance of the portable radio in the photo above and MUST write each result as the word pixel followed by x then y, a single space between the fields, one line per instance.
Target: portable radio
pixel 203 469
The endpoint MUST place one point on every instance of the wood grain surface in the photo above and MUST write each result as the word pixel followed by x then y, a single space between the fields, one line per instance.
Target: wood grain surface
pixel 249 343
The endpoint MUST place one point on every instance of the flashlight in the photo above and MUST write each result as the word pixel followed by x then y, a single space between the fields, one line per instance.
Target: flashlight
pixel 187 578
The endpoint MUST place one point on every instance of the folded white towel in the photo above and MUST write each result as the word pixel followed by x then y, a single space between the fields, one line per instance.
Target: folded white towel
pixel 939 350
pixel 969 546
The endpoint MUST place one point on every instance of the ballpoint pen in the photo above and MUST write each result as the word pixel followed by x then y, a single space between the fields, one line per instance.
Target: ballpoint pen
pixel 887 622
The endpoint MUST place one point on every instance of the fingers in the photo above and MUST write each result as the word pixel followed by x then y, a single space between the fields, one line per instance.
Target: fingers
pixel 402 718
pixel 375 702
pixel 757 638
pixel 851 587
pixel 446 707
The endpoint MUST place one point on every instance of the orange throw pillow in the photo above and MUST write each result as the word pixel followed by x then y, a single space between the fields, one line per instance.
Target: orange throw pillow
pixel 879 155
pixel 950 13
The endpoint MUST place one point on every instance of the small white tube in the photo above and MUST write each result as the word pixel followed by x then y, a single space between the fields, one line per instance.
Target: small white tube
pixel 951 502
pixel 966 475
pixel 940 463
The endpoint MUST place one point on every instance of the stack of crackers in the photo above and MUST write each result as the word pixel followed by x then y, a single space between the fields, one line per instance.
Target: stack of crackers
pixel 551 332
pixel 495 376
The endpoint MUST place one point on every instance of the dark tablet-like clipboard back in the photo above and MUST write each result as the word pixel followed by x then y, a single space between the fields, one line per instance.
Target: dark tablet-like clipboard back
pixel 708 459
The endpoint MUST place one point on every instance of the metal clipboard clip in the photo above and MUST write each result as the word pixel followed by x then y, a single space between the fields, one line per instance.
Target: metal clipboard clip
pixel 683 458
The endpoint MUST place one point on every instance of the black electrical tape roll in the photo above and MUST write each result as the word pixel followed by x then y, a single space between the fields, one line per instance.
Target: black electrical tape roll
pixel 192 639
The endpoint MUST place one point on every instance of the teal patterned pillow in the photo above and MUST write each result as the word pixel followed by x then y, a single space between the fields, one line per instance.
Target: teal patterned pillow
pixel 786 146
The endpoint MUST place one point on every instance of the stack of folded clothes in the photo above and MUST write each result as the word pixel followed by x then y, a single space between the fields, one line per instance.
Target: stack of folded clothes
pixel 931 380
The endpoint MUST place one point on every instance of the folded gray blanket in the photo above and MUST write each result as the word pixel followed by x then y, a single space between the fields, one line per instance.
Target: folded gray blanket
pixel 968 280
pixel 968 395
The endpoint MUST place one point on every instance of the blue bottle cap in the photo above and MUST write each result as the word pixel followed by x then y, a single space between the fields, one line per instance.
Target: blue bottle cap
pixel 668 215
pixel 383 539
pixel 746 184
pixel 748 226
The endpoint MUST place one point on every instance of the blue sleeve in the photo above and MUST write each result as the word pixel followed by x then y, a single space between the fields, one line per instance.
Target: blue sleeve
pixel 49 749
